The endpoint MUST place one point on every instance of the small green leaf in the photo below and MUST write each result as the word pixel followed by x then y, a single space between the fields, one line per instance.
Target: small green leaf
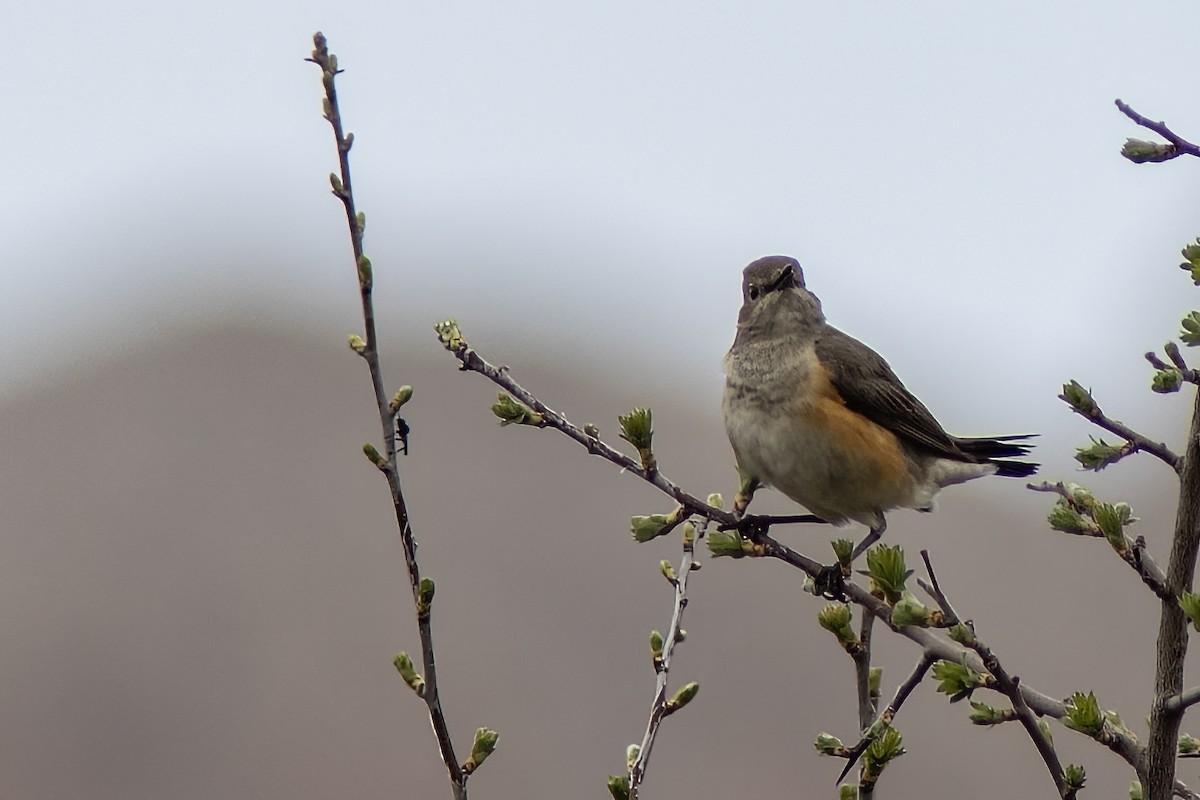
pixel 1084 714
pixel 911 612
pixel 1191 329
pixel 1139 151
pixel 1065 518
pixel 843 549
pixel 1191 262
pixel 408 673
pixel 637 428
pixel 1112 519
pixel 618 787
pixel 1190 603
pixel 631 755
pixel 357 343
pixel 985 715
pixel 644 528
pixel 1099 454
pixel 885 565
pixel 1135 790
pixel 725 543
pixel 449 335
pixel 1188 745
pixel 956 680
pixel 962 634
pixel 1078 397
pixel 1074 777
pixel 1166 381
pixel 829 745
pixel 835 618
pixel 512 412
pixel 483 746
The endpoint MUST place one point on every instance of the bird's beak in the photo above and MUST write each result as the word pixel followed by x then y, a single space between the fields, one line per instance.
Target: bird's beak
pixel 786 278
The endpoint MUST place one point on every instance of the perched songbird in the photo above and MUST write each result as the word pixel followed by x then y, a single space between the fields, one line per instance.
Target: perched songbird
pixel 821 417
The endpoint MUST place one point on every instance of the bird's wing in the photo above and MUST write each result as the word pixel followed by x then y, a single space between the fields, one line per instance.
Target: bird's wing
pixel 869 387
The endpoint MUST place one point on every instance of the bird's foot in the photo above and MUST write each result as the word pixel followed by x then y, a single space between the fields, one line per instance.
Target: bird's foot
pixel 830 583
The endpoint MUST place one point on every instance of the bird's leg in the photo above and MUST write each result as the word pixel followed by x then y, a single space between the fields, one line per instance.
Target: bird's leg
pixel 741 500
pixel 871 538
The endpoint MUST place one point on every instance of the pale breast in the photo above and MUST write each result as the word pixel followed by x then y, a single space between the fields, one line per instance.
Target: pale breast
pixel 789 428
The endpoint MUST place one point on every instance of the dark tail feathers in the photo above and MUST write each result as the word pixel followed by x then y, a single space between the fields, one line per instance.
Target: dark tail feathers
pixel 995 449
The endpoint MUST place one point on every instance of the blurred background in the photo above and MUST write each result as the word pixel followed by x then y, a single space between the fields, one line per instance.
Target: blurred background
pixel 201 588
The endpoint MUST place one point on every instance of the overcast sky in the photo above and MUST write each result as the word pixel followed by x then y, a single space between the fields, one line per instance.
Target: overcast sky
pixel 558 174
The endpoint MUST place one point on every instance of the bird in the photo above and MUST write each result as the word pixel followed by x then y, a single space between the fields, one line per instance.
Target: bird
pixel 821 417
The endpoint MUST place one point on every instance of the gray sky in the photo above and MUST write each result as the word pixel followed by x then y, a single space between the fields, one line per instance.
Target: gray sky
pixel 599 172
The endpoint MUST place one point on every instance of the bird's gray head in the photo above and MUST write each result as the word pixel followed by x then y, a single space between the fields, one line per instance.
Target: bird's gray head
pixel 775 300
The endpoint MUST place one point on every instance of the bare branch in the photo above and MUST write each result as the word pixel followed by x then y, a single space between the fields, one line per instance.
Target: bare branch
pixel 934 590
pixel 658 707
pixel 389 419
pixel 875 726
pixel 1184 700
pixel 1180 146
pixel 1010 687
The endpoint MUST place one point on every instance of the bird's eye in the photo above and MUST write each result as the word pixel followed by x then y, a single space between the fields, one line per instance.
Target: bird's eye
pixel 752 292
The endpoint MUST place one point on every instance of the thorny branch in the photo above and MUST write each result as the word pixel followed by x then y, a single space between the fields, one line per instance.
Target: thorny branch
pixel 764 545
pixel 389 418
pixel 874 726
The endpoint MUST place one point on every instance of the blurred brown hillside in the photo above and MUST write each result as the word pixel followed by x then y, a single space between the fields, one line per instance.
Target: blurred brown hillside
pixel 201 590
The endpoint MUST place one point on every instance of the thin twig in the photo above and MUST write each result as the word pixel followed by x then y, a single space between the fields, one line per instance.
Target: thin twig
pixel 658 708
pixel 1135 554
pixel 1184 700
pixel 1097 417
pixel 1181 145
pixel 934 590
pixel 343 190
pixel 1010 687
pixel 875 725
pixel 862 672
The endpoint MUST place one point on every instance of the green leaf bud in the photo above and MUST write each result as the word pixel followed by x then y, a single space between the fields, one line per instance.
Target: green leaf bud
pixel 725 543
pixel 357 343
pixel 618 787
pixel 885 565
pixel 372 454
pixel 956 680
pixel 1084 714
pixel 685 695
pixel 1188 745
pixel 910 611
pixel 829 745
pixel 409 674
pixel 512 412
pixel 1191 329
pixel 483 746
pixel 1078 397
pixel 450 335
pixel 1166 381
pixel 1139 151
pixel 1074 776
pixel 402 396
pixel 835 618
pixel 983 714
pixel 1099 454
